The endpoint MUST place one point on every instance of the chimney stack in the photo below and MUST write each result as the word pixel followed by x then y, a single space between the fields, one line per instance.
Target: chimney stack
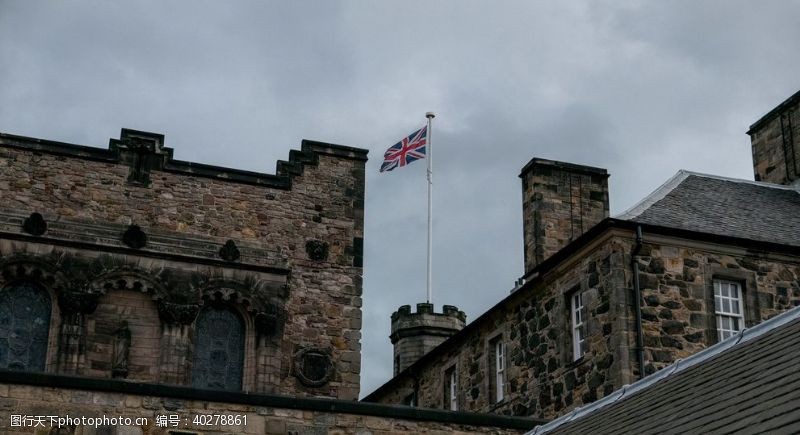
pixel 560 202
pixel 774 139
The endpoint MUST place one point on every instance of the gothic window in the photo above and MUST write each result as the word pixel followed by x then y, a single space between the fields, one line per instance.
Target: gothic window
pixel 24 327
pixel 218 350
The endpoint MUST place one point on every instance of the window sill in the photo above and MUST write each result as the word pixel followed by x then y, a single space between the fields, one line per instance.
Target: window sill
pixel 576 363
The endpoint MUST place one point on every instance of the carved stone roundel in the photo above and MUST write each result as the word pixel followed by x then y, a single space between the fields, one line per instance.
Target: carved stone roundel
pixel 35 224
pixel 317 250
pixel 313 367
pixel 134 237
pixel 229 251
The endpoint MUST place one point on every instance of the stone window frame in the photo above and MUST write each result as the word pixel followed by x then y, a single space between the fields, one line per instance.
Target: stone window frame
pixel 51 354
pixel 450 394
pixel 569 359
pixel 497 336
pixel 735 313
pixel 249 352
pixel 749 294
pixel 576 326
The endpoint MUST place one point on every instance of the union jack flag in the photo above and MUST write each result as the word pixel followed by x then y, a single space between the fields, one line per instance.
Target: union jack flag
pixel 406 151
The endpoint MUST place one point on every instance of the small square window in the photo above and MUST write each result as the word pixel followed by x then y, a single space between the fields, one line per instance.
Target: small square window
pixel 728 307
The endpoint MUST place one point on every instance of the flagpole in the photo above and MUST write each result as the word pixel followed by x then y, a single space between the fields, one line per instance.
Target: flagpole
pixel 429 150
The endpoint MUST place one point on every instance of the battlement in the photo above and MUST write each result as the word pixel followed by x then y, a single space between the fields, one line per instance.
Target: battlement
pixel 424 308
pixel 415 334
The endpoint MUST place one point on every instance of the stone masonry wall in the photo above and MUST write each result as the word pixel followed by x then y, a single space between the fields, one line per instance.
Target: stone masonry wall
pixel 678 296
pixel 775 143
pixel 309 223
pixel 543 380
pixel 46 401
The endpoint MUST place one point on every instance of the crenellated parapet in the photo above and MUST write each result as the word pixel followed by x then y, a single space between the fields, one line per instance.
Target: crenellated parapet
pixel 416 333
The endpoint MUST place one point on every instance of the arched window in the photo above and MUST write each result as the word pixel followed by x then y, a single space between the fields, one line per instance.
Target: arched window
pixel 218 350
pixel 24 326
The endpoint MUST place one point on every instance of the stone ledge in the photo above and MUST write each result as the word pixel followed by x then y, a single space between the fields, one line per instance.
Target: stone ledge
pixel 158 242
pixel 266 400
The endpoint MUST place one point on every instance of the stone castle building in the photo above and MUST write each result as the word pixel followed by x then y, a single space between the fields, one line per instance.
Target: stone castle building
pixel 138 285
pixel 608 300
pixel 214 300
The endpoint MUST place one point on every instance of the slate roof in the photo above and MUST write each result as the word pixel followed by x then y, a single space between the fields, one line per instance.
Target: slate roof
pixel 723 206
pixel 749 383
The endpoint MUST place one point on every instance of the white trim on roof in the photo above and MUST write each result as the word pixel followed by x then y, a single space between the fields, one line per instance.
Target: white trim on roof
pixel 677 179
pixel 680 365
pixel 654 197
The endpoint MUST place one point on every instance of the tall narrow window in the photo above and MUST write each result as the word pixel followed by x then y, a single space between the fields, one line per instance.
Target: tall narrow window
pixel 578 328
pixel 451 389
pixel 218 350
pixel 410 400
pixel 24 327
pixel 497 368
pixel 728 308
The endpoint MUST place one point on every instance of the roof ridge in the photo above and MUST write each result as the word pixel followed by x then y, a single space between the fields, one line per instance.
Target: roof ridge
pixel 678 366
pixel 654 197
pixel 662 191
pixel 796 188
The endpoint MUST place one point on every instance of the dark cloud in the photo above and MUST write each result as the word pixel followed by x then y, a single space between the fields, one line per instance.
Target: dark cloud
pixel 641 88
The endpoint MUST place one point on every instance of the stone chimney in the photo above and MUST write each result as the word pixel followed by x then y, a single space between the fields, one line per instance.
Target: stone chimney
pixel 775 139
pixel 415 334
pixel 560 201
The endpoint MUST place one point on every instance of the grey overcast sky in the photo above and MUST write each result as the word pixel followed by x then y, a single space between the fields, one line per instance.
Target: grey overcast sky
pixel 641 88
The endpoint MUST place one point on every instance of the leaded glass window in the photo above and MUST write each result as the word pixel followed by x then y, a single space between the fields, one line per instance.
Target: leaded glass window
pixel 218 350
pixel 24 327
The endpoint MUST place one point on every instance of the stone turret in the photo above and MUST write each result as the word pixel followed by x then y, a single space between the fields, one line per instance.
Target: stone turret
pixel 415 334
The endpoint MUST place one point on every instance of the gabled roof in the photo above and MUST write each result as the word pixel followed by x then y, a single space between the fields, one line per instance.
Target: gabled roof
pixel 723 206
pixel 748 383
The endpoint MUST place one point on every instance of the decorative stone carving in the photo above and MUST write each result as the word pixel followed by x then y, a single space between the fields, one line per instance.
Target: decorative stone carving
pixel 77 303
pixel 177 314
pixel 122 347
pixel 317 250
pixel 134 237
pixel 313 367
pixel 35 224
pixel 270 322
pixel 229 252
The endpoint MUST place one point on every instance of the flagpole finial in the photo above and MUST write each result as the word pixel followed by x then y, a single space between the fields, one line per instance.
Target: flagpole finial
pixel 430 115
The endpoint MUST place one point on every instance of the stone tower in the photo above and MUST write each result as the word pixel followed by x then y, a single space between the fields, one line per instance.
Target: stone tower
pixel 560 202
pixel 774 139
pixel 415 334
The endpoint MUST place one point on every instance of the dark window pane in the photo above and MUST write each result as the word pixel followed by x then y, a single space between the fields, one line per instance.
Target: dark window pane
pixel 218 350
pixel 24 327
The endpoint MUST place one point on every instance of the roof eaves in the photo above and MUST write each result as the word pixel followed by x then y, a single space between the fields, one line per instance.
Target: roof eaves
pixel 669 371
